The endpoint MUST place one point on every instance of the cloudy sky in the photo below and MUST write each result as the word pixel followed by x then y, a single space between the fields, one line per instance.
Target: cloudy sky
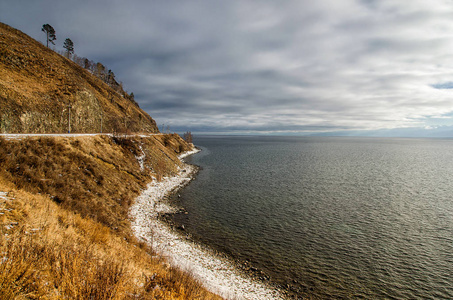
pixel 281 67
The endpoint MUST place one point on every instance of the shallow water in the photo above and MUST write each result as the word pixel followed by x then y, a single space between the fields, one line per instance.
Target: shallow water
pixel 329 217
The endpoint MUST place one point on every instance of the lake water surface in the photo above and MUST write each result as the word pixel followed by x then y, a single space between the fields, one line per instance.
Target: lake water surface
pixel 330 217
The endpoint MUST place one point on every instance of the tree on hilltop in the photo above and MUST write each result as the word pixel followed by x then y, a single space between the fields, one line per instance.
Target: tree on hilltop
pixel 110 77
pixel 69 46
pixel 50 34
pixel 100 71
pixel 188 137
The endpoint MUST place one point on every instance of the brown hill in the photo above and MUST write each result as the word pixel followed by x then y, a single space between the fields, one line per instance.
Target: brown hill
pixel 37 85
pixel 64 224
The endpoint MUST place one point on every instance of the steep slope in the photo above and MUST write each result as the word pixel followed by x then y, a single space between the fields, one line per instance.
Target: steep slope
pixel 64 200
pixel 96 176
pixel 37 85
pixel 64 226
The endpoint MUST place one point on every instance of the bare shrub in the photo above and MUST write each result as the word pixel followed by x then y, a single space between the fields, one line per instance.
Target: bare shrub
pixel 80 275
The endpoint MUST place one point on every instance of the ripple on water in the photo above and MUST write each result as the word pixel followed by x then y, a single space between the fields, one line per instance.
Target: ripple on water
pixel 338 217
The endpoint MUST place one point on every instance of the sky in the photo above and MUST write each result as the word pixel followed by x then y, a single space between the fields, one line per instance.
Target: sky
pixel 325 67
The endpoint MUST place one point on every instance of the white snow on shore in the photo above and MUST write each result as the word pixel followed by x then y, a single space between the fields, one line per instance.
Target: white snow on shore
pixel 188 153
pixel 217 274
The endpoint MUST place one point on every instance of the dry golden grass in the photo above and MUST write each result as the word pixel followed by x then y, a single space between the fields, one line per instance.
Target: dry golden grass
pixel 98 177
pixel 36 84
pixel 58 241
pixel 64 202
pixel 49 252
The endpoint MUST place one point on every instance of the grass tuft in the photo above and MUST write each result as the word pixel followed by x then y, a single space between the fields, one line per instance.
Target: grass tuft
pixel 18 262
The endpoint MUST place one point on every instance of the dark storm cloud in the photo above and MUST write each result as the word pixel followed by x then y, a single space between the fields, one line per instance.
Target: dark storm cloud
pixel 268 66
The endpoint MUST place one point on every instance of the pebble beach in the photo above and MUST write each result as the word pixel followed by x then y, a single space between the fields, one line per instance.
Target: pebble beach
pixel 218 274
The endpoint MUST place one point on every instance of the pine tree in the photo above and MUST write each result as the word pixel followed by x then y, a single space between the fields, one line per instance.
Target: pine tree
pixel 69 46
pixel 50 34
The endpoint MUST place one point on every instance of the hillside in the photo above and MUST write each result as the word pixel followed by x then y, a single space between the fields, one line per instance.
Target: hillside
pixel 96 176
pixel 37 85
pixel 64 226
pixel 65 230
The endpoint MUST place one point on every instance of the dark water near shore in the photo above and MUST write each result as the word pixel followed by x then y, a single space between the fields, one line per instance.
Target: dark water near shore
pixel 330 217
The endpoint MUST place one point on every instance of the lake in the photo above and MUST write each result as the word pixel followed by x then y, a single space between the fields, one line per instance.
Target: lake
pixel 329 217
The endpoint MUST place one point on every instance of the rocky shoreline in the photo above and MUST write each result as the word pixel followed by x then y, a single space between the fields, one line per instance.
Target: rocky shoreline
pixel 215 271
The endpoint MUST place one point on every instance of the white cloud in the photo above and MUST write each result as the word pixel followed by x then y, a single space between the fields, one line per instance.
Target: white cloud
pixel 287 65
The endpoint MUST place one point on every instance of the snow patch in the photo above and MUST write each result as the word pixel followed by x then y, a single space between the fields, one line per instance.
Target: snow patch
pixel 141 158
pixel 188 153
pixel 3 195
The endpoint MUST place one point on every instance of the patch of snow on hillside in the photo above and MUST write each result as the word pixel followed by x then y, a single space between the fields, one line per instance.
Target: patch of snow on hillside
pixel 141 158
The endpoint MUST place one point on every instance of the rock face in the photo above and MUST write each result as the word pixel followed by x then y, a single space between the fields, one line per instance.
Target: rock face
pixel 38 88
